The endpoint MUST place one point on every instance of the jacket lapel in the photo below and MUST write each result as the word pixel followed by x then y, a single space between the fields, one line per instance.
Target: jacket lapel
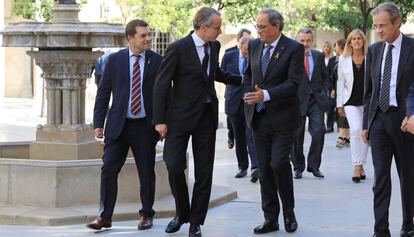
pixel 213 58
pixel 403 58
pixel 193 54
pixel 147 64
pixel 315 62
pixel 378 64
pixel 280 47
pixel 258 56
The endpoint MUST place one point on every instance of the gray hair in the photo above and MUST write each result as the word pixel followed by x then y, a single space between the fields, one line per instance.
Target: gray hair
pixel 204 17
pixel 274 17
pixel 305 31
pixel 389 7
pixel 245 40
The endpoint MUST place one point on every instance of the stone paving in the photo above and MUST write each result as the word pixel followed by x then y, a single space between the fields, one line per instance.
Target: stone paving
pixel 333 206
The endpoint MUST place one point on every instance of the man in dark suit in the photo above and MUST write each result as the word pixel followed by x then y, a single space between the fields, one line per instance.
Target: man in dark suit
pixel 276 68
pixel 388 75
pixel 129 76
pixel 242 32
pixel 187 74
pixel 236 62
pixel 314 101
pixel 330 114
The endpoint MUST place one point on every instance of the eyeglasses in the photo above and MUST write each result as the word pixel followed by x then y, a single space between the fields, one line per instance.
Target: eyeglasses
pixel 261 27
pixel 379 27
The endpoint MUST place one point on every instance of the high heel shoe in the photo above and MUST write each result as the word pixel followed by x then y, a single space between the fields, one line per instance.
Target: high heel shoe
pixel 356 177
pixel 363 175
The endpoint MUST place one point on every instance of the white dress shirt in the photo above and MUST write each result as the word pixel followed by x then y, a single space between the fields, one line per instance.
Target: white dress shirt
pixel 394 70
pixel 199 43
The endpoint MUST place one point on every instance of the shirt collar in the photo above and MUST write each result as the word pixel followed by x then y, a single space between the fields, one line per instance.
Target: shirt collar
pixel 274 42
pixel 397 43
pixel 310 53
pixel 132 53
pixel 197 40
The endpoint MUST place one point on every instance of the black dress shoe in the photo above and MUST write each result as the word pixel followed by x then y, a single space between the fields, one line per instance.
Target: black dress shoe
pixel 297 174
pixel 316 173
pixel 290 222
pixel 266 227
pixel 145 223
pixel 254 176
pixel 407 232
pixel 241 174
pixel 384 233
pixel 329 130
pixel 174 225
pixel 230 143
pixel 194 231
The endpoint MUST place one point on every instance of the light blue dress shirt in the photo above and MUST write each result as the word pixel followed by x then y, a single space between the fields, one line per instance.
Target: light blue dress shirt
pixel 310 64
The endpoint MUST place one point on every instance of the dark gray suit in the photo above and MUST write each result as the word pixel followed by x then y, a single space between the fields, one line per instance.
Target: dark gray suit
pixel 386 138
pixel 185 100
pixel 314 101
pixel 274 126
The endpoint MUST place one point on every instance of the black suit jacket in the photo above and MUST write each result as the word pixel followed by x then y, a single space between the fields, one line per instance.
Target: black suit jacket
pixel 115 81
pixel 281 80
pixel 233 94
pixel 405 76
pixel 318 86
pixel 331 72
pixel 231 49
pixel 181 76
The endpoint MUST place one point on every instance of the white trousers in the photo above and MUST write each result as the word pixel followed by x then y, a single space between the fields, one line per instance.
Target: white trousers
pixel 359 150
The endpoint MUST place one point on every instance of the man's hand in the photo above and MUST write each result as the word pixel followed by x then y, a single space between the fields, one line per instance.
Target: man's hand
pixel 98 133
pixel 254 97
pixel 410 124
pixel 341 112
pixel 162 130
pixel 364 136
pixel 404 124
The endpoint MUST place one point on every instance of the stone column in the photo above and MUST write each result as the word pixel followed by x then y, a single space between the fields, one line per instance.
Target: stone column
pixel 65 136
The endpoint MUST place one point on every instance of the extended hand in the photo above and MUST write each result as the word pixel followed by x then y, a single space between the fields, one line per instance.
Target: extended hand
pixel 341 112
pixel 162 130
pixel 254 97
pixel 98 133
pixel 404 124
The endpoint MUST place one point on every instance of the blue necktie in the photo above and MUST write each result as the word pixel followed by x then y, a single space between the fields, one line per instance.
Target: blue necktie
pixel 244 65
pixel 265 63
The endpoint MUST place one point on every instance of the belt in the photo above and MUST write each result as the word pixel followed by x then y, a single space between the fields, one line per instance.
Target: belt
pixel 134 119
pixel 391 109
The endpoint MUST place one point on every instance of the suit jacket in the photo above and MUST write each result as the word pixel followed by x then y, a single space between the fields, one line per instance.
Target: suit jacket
pixel 181 75
pixel 318 86
pixel 410 101
pixel 331 71
pixel 233 94
pixel 373 76
pixel 345 80
pixel 282 78
pixel 231 49
pixel 115 81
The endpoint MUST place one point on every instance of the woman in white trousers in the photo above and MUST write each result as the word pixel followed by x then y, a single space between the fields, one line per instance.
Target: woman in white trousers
pixel 350 92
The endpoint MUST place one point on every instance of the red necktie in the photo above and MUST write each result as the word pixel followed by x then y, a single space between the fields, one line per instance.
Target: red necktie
pixel 136 87
pixel 307 65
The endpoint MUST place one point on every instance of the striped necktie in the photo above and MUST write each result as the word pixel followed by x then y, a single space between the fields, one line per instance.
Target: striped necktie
pixel 384 100
pixel 264 64
pixel 136 87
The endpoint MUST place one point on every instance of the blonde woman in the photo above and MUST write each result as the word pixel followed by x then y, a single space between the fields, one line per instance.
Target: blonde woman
pixel 327 51
pixel 350 91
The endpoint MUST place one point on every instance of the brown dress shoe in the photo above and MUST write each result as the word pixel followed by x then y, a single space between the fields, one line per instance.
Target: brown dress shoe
pixel 100 223
pixel 145 223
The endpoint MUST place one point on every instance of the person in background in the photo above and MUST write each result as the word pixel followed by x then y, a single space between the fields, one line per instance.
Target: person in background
pixel 350 92
pixel 343 126
pixel 330 113
pixel 235 61
pixel 242 32
pixel 99 66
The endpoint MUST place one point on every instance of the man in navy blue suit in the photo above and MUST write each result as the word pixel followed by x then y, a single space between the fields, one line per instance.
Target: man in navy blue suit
pixel 129 76
pixel 235 61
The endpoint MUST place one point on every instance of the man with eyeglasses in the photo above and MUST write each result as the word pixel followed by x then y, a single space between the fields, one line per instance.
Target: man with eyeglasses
pixel 272 109
pixel 186 105
pixel 388 76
